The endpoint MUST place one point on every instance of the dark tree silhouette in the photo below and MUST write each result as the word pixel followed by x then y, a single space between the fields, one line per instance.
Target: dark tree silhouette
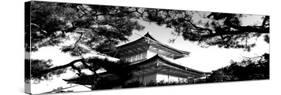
pixel 117 73
pixel 96 25
pixel 96 28
pixel 248 69
pixel 53 20
pixel 37 67
pixel 221 29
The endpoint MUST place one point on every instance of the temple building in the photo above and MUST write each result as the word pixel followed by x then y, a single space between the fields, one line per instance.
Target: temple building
pixel 155 61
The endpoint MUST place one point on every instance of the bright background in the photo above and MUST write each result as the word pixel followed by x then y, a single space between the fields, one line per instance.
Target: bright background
pixel 12 47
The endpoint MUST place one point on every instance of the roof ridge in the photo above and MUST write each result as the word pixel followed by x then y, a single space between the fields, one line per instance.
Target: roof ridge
pixel 149 37
pixel 181 51
pixel 178 64
pixel 170 63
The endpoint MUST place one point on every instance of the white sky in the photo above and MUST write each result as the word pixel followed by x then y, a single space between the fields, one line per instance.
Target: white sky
pixel 203 59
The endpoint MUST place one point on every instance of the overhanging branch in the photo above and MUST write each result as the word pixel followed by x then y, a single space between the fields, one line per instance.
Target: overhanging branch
pixel 60 67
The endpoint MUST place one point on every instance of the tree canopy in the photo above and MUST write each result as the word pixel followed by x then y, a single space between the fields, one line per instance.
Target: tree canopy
pixel 107 25
pixel 248 69
pixel 97 28
pixel 222 29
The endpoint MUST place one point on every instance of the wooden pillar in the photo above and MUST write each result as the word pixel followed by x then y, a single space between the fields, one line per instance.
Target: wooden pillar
pixel 168 75
pixel 143 77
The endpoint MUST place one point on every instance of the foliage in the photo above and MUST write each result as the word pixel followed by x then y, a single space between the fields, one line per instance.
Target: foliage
pixel 35 67
pixel 221 29
pixel 117 73
pixel 104 27
pixel 97 28
pixel 97 25
pixel 249 69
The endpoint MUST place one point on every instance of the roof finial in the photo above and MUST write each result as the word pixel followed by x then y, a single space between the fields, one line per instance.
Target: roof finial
pixel 147 33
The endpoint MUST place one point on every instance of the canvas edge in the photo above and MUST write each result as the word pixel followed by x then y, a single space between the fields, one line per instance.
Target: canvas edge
pixel 27 85
pixel 27 6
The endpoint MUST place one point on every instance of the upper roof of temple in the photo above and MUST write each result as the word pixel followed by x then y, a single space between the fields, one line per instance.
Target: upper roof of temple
pixel 148 40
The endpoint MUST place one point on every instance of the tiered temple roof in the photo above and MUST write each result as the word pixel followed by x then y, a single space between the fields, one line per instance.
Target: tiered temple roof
pixel 155 64
pixel 143 44
pixel 158 64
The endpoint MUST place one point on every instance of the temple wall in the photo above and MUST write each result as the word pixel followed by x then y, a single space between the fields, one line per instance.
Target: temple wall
pixel 135 57
pixel 152 51
pixel 158 77
pixel 169 78
pixel 145 79
pixel 149 78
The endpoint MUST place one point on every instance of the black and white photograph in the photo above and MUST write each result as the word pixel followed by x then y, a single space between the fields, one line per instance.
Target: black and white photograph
pixel 77 47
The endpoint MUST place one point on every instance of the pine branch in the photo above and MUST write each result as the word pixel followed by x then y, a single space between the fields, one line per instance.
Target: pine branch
pixel 60 67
